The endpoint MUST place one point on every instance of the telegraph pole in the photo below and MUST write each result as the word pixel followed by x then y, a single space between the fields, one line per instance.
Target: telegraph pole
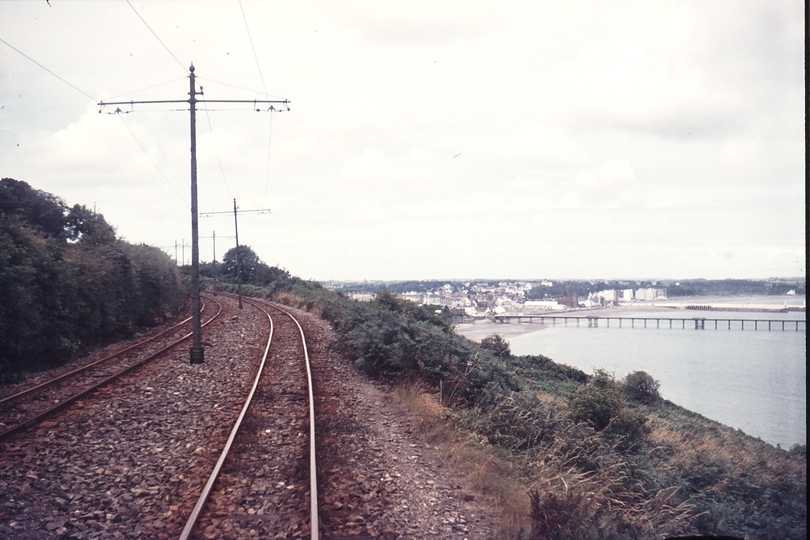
pixel 214 237
pixel 238 266
pixel 197 355
pixel 236 232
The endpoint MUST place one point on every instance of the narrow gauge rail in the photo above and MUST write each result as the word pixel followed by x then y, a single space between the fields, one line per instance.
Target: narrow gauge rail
pixel 29 407
pixel 262 489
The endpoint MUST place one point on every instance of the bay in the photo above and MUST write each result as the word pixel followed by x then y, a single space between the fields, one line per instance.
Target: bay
pixel 753 380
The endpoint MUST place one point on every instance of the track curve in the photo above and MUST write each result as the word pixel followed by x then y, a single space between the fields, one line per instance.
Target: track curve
pixel 257 486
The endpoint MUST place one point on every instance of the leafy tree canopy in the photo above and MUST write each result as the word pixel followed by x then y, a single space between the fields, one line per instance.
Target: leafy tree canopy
pixel 67 283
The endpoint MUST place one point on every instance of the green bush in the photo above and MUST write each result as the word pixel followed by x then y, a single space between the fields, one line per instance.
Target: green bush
pixel 598 402
pixel 498 345
pixel 640 386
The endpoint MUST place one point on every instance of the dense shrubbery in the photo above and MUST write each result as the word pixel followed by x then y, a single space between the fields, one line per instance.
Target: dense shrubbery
pixel 66 282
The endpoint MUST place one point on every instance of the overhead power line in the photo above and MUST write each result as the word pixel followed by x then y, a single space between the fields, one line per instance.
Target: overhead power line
pixel 49 71
pixel 185 200
pixel 252 47
pixel 216 152
pixel 238 87
pixel 147 88
pixel 179 63
pixel 258 66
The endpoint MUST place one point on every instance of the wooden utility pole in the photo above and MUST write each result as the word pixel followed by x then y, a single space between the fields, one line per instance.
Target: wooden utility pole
pixel 238 269
pixel 197 355
pixel 236 232
pixel 214 237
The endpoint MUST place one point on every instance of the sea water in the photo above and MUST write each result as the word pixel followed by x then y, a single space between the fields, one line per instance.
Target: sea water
pixel 753 380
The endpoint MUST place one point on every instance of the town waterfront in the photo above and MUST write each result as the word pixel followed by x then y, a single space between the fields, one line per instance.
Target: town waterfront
pixel 751 380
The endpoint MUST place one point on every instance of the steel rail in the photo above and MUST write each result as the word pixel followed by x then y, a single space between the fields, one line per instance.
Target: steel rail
pixel 195 513
pixel 313 472
pixel 63 404
pixel 313 476
pixel 64 376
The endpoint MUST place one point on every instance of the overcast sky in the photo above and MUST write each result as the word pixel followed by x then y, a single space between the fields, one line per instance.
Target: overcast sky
pixel 462 139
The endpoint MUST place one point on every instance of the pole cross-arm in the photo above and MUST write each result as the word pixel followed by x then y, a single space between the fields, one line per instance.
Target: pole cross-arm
pixel 239 210
pixel 254 102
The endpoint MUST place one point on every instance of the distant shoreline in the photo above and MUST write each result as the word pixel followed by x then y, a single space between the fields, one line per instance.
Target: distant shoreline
pixel 484 327
pixel 480 329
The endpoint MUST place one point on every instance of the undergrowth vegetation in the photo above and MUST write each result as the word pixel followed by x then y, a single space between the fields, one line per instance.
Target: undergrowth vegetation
pixel 565 454
pixel 67 282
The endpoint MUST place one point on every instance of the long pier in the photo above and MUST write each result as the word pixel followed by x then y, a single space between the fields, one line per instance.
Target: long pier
pixel 698 323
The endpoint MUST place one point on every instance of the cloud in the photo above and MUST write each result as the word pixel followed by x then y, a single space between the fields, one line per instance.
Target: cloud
pixel 369 167
pixel 420 22
pixel 539 145
pixel 612 181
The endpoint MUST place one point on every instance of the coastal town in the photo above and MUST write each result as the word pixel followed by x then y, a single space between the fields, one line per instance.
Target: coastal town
pixel 485 299
pixel 478 299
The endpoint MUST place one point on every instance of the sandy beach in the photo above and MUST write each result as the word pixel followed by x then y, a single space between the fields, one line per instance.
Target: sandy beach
pixel 480 329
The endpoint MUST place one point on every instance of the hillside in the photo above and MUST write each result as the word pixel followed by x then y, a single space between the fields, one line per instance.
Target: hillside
pixel 569 454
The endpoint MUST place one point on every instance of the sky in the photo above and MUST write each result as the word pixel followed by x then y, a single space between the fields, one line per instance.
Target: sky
pixel 426 140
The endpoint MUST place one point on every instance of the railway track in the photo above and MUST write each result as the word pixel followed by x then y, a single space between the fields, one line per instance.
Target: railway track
pixel 31 406
pixel 264 482
pixel 132 459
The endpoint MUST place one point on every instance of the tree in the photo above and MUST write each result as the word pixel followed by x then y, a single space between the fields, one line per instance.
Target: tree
pixel 87 227
pixel 640 386
pixel 248 263
pixel 37 209
pixel 497 345
pixel 67 283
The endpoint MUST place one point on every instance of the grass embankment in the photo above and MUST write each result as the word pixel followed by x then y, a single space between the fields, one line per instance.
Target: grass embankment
pixel 566 454
pixel 689 475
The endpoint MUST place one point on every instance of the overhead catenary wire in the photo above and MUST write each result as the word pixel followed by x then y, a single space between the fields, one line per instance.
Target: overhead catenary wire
pixel 255 56
pixel 144 89
pixel 264 87
pixel 152 160
pixel 216 152
pixel 49 71
pixel 96 101
pixel 185 70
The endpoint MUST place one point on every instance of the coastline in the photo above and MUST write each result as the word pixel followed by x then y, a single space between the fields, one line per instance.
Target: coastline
pixel 483 327
pixel 731 384
pixel 478 330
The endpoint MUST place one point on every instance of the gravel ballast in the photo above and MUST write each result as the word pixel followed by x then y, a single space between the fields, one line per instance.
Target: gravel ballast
pixel 130 460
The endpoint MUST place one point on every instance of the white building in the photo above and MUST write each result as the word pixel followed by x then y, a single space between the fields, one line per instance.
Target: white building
pixel 609 296
pixel 413 297
pixel 626 295
pixel 651 294
pixel 362 296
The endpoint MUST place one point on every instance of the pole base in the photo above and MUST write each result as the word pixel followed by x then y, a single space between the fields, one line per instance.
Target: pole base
pixel 197 355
